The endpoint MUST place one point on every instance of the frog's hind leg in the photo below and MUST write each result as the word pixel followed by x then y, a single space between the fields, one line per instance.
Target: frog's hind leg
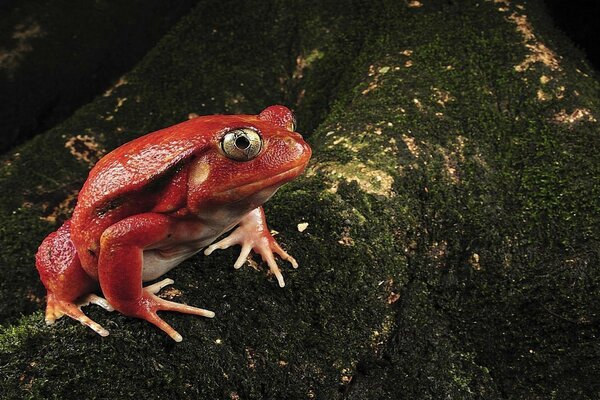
pixel 67 283
pixel 120 267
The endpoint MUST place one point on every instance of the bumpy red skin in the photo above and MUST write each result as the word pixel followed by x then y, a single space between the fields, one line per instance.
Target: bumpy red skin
pixel 145 191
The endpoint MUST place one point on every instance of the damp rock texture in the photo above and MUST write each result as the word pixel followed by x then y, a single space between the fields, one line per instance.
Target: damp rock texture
pixel 450 217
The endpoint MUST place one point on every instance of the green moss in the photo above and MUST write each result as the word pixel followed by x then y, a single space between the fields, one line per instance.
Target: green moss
pixel 471 276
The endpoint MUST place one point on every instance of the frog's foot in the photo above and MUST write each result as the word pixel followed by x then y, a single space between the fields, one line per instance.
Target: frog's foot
pixel 147 307
pixel 56 308
pixel 257 238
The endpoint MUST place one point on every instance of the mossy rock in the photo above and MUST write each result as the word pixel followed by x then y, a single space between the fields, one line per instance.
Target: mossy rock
pixel 452 207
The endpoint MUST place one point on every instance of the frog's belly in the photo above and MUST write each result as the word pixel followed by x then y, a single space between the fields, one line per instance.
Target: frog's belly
pixel 188 239
pixel 157 263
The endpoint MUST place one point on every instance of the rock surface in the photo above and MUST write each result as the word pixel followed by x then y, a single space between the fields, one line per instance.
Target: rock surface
pixel 453 213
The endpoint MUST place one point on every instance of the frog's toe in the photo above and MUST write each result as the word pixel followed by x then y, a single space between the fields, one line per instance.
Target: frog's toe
pixel 149 304
pixel 97 300
pixel 267 256
pixel 283 254
pixel 156 287
pixel 56 308
pixel 233 239
pixel 163 326
pixel 246 249
pixel 166 305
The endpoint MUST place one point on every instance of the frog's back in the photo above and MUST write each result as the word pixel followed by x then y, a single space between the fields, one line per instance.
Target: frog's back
pixel 135 164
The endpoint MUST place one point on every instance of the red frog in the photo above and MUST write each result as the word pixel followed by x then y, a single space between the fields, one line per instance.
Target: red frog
pixel 159 199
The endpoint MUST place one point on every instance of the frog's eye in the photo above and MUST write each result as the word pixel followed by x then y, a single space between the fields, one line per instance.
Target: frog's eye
pixel 292 124
pixel 241 144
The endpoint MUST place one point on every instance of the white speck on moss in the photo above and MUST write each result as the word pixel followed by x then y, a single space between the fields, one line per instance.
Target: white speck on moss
pixel 302 226
pixel 414 4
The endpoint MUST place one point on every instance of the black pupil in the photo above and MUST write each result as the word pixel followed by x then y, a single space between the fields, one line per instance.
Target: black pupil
pixel 242 142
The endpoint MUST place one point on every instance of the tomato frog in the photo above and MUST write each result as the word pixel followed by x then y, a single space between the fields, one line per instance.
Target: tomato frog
pixel 161 198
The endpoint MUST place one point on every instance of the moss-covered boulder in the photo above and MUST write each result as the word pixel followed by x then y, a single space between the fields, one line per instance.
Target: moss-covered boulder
pixel 452 206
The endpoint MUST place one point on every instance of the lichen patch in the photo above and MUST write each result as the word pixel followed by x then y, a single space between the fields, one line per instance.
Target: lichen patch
pixel 543 96
pixel 346 239
pixel 538 52
pixel 578 115
pixel 438 251
pixel 120 102
pixel 451 167
pixel 376 73
pixel 442 96
pixel 61 211
pixel 452 158
pixel 411 145
pixel 474 262
pixel 122 81
pixel 23 35
pixel 348 144
pixel 170 293
pixel 304 61
pixel 374 83
pixel 84 148
pixel 369 179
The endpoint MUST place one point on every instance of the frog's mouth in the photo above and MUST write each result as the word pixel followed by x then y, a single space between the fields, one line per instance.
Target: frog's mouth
pixel 272 182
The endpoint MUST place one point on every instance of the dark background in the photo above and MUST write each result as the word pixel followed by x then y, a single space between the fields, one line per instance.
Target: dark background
pixel 84 59
pixel 580 21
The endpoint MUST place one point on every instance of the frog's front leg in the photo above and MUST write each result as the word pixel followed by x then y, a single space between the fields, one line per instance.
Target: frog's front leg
pixel 253 233
pixel 120 268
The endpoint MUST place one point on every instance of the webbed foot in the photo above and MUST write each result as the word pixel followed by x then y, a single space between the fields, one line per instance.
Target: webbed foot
pixel 149 304
pixel 56 308
pixel 253 234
